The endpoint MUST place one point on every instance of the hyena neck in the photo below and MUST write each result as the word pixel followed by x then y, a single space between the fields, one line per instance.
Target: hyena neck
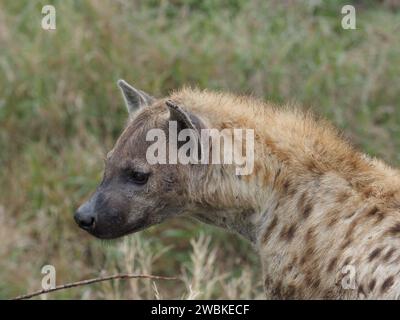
pixel 292 189
pixel 232 202
pixel 280 198
pixel 294 156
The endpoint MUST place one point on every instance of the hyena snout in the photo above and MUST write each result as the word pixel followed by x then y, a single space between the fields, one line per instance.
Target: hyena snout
pixel 85 216
pixel 106 215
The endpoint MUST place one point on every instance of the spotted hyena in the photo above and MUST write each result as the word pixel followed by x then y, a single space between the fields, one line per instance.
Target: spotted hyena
pixel 324 218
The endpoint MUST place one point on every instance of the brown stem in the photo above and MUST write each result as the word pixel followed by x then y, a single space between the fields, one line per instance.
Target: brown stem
pixel 90 281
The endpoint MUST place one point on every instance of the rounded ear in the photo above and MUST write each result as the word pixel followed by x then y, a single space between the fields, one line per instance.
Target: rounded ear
pixel 134 98
pixel 186 120
pixel 176 113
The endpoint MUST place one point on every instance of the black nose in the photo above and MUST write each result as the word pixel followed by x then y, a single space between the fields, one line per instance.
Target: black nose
pixel 85 217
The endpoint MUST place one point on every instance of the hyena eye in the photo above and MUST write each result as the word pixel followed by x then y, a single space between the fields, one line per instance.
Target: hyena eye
pixel 137 177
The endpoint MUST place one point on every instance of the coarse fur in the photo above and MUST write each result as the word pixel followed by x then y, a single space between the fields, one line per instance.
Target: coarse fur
pixel 312 207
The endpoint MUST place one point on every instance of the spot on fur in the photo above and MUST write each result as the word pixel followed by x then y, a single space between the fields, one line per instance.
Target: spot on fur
pixel 307 210
pixel 371 285
pixel 342 197
pixel 374 254
pixel 361 290
pixel 395 230
pixel 277 290
pixel 350 214
pixel 332 264
pixel 288 233
pixel 286 186
pixel 387 284
pixel 333 221
pixel 388 254
pixel 269 229
pixel 345 244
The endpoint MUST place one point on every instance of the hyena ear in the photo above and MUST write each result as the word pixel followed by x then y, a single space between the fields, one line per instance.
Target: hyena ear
pixel 185 119
pixel 134 98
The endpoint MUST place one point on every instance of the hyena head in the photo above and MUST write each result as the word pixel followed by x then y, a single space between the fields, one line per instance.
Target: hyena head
pixel 133 193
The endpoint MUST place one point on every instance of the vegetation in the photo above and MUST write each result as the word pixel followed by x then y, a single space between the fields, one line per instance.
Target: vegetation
pixel 60 112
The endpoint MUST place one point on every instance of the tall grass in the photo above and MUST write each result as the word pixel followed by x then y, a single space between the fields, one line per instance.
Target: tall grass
pixel 60 111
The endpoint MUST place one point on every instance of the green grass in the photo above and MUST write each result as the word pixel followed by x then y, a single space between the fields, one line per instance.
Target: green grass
pixel 60 111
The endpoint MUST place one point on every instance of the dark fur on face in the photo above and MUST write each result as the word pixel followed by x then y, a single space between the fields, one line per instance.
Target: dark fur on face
pixel 133 194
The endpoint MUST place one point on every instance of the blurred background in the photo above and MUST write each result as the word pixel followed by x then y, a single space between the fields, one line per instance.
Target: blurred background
pixel 61 111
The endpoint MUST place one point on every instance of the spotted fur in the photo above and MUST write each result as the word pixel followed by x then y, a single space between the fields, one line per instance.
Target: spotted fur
pixel 314 197
pixel 312 207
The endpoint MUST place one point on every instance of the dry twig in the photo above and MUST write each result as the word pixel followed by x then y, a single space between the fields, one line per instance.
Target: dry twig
pixel 94 280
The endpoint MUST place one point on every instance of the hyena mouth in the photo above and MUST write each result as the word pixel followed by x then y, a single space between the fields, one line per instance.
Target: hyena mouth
pixel 115 231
